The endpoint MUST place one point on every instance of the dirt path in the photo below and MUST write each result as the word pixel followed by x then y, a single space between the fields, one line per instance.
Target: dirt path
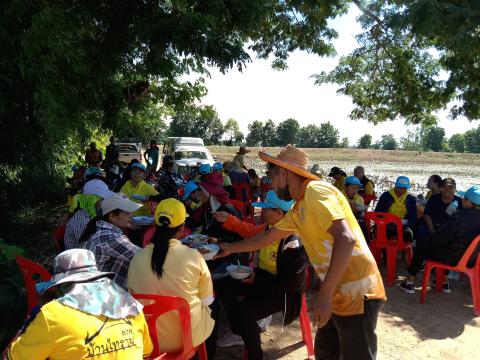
pixel 444 328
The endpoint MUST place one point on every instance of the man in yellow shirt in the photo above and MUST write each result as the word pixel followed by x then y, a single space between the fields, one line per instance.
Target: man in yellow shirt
pixel 352 184
pixel 138 190
pixel 352 293
pixel 91 318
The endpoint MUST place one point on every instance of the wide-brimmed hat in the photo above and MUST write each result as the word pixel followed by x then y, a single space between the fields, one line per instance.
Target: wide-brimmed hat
pixel 292 159
pixel 242 150
pixel 73 266
pixel 213 184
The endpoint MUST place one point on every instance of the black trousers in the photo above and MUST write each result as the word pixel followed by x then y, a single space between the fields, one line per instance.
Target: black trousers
pixel 431 252
pixel 350 337
pixel 245 304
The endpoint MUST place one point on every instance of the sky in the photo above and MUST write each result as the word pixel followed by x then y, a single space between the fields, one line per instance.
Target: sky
pixel 261 93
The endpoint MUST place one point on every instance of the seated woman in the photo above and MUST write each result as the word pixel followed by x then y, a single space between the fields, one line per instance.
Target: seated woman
pixel 339 176
pixel 449 243
pixel 276 285
pixel 83 314
pixel 398 202
pixel 138 190
pixel 440 209
pixel 166 267
pixel 104 237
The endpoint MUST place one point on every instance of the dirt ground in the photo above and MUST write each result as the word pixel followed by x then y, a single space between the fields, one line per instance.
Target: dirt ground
pixel 443 328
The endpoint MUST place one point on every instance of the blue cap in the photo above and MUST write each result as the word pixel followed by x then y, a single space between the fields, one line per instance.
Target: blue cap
pixel 204 169
pixel 190 187
pixel 402 182
pixel 352 180
pixel 272 201
pixel 217 166
pixel 472 194
pixel 138 166
pixel 91 171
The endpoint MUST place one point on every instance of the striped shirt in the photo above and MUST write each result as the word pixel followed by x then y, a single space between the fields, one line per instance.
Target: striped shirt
pixel 75 226
pixel 113 251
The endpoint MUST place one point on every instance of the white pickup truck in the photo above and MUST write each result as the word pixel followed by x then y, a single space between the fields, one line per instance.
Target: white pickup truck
pixel 129 150
pixel 187 152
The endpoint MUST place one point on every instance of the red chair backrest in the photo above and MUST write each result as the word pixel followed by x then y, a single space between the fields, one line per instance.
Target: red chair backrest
pixel 381 221
pixel 157 305
pixel 367 199
pixel 59 236
pixel 242 192
pixel 468 254
pixel 29 269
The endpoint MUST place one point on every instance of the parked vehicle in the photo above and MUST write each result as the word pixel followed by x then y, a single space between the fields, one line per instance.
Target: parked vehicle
pixel 187 152
pixel 128 150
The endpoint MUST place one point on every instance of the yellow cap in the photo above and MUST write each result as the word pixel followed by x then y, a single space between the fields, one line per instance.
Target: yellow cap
pixel 173 210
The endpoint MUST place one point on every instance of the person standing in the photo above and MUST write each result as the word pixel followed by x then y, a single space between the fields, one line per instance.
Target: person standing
pixel 240 157
pixel 111 158
pixel 351 296
pixel 93 156
pixel 151 157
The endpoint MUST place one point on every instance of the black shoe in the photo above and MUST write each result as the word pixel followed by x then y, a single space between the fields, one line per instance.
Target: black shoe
pixel 407 287
pixel 446 286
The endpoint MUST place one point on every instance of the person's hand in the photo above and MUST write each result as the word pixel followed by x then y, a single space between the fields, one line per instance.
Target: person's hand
pixel 212 240
pixel 250 279
pixel 220 216
pixel 322 309
pixel 224 250
pixel 62 220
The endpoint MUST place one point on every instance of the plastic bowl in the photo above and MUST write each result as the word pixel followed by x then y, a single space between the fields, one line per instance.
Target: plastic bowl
pixel 244 272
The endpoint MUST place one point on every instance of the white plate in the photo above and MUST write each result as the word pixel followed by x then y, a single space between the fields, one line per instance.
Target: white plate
pixel 233 271
pixel 212 251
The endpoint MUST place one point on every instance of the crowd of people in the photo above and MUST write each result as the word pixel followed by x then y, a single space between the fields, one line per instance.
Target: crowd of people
pixel 124 235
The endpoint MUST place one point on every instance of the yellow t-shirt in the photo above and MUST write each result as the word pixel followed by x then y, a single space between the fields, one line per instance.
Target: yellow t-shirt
pixel 185 274
pixel 267 258
pixel 60 332
pixel 357 199
pixel 340 183
pixel 369 188
pixel 311 218
pixel 142 188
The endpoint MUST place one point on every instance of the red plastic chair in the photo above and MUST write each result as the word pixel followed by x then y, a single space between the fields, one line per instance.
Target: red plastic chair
pixel 367 199
pixel 381 242
pixel 473 274
pixel 306 330
pixel 157 305
pixel 29 269
pixel 58 237
pixel 242 192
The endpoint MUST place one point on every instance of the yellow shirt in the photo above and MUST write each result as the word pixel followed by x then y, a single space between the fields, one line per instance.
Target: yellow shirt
pixel 59 332
pixel 340 183
pixel 226 180
pixel 267 258
pixel 311 218
pixel 142 188
pixel 357 199
pixel 369 188
pixel 185 274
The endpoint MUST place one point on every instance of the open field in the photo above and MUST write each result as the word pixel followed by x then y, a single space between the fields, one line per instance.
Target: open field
pixel 382 166
pixel 443 328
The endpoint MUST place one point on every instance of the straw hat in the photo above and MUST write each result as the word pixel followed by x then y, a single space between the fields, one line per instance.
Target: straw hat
pixel 292 159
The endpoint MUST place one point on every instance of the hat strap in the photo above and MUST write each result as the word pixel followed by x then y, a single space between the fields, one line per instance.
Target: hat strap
pixel 75 268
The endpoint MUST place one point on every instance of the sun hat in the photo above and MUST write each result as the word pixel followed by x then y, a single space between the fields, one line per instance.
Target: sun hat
pixel 291 159
pixel 243 150
pixel 138 166
pixel 217 166
pixel 190 187
pixel 472 194
pixel 93 291
pixel 335 171
pixel 119 201
pixel 74 265
pixel 315 169
pixel 173 210
pixel 402 182
pixel 352 180
pixel 93 171
pixel 205 169
pixel 213 184
pixel 272 201
pixel 97 187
